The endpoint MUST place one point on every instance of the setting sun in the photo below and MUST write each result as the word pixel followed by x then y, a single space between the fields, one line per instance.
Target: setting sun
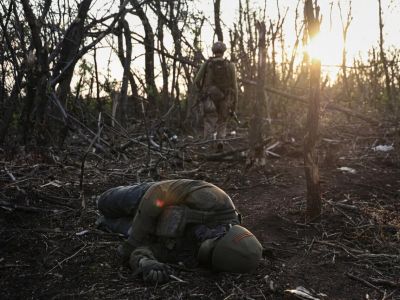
pixel 326 47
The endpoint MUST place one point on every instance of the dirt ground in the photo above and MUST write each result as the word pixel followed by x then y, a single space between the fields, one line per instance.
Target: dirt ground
pixel 50 248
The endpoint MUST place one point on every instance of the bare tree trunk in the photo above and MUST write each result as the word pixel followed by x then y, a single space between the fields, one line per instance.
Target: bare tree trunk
pixel 9 101
pixel 245 67
pixel 217 20
pixel 383 59
pixel 273 54
pixel 10 108
pixel 124 32
pixel 127 71
pixel 122 97
pixel 257 124
pixel 298 32
pixel 275 30
pixel 310 156
pixel 193 112
pixel 38 92
pixel 163 58
pixel 345 29
pixel 69 48
pixel 151 87
pixel 96 74
pixel 177 37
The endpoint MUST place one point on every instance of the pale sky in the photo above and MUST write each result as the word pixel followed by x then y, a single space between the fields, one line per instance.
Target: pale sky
pixel 363 32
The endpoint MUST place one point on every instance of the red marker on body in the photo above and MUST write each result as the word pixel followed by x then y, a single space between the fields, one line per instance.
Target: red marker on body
pixel 160 203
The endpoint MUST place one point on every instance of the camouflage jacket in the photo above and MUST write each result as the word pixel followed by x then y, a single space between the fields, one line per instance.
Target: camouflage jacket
pixel 203 79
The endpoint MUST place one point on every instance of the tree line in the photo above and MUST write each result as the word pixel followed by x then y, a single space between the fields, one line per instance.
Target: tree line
pixel 43 43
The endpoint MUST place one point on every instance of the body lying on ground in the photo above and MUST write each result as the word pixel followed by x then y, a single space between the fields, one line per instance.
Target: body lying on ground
pixel 184 221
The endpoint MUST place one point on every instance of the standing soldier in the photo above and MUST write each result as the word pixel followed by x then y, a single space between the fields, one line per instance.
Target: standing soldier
pixel 216 81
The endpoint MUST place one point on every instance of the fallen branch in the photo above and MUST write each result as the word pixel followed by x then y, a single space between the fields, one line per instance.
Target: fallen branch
pixel 14 180
pixel 379 255
pixel 328 105
pixel 66 259
pixel 12 206
pixel 386 282
pixel 352 276
pixel 345 206
pixel 344 248
pixel 188 172
pixel 218 156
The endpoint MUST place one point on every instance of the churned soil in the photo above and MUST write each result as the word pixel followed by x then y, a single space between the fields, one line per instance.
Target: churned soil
pixel 50 248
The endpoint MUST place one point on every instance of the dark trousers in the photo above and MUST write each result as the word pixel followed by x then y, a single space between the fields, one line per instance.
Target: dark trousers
pixel 118 206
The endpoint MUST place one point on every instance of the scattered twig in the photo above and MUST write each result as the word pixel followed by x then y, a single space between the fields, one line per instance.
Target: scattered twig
pixel 177 278
pixel 345 249
pixel 12 206
pixel 379 255
pixel 67 259
pixel 218 156
pixel 385 282
pixel 14 180
pixel 220 288
pixel 15 266
pixel 81 194
pixel 333 204
pixel 352 276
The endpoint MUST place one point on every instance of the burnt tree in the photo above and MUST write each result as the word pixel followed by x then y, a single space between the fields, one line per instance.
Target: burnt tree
pixel 384 61
pixel 257 124
pixel 151 88
pixel 313 210
pixel 37 81
pixel 217 20
pixel 69 48
pixel 345 29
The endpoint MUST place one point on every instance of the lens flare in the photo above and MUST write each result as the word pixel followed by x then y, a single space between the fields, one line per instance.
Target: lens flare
pixel 315 47
pixel 160 203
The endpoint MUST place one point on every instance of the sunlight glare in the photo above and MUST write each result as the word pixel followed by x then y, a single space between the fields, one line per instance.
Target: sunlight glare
pixel 315 48
pixel 327 47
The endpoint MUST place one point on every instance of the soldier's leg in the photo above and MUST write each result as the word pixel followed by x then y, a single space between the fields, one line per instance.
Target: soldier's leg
pixel 117 225
pixel 223 113
pixel 122 201
pixel 209 126
pixel 118 206
pixel 209 118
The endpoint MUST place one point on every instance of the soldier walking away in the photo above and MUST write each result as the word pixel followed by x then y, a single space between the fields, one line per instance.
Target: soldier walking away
pixel 190 222
pixel 216 81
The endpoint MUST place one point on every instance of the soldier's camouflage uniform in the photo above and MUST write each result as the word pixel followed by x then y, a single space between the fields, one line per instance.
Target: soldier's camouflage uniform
pixel 170 218
pixel 216 111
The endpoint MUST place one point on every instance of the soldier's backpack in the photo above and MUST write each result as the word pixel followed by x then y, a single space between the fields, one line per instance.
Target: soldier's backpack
pixel 218 78
pixel 220 73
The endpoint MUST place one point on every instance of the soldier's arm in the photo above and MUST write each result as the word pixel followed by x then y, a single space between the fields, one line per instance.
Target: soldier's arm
pixel 142 261
pixel 138 254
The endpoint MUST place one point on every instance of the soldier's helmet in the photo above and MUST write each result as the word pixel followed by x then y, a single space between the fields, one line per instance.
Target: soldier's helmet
pixel 238 251
pixel 218 47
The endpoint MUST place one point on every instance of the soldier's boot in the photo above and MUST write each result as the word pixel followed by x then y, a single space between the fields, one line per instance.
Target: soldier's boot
pixel 118 225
